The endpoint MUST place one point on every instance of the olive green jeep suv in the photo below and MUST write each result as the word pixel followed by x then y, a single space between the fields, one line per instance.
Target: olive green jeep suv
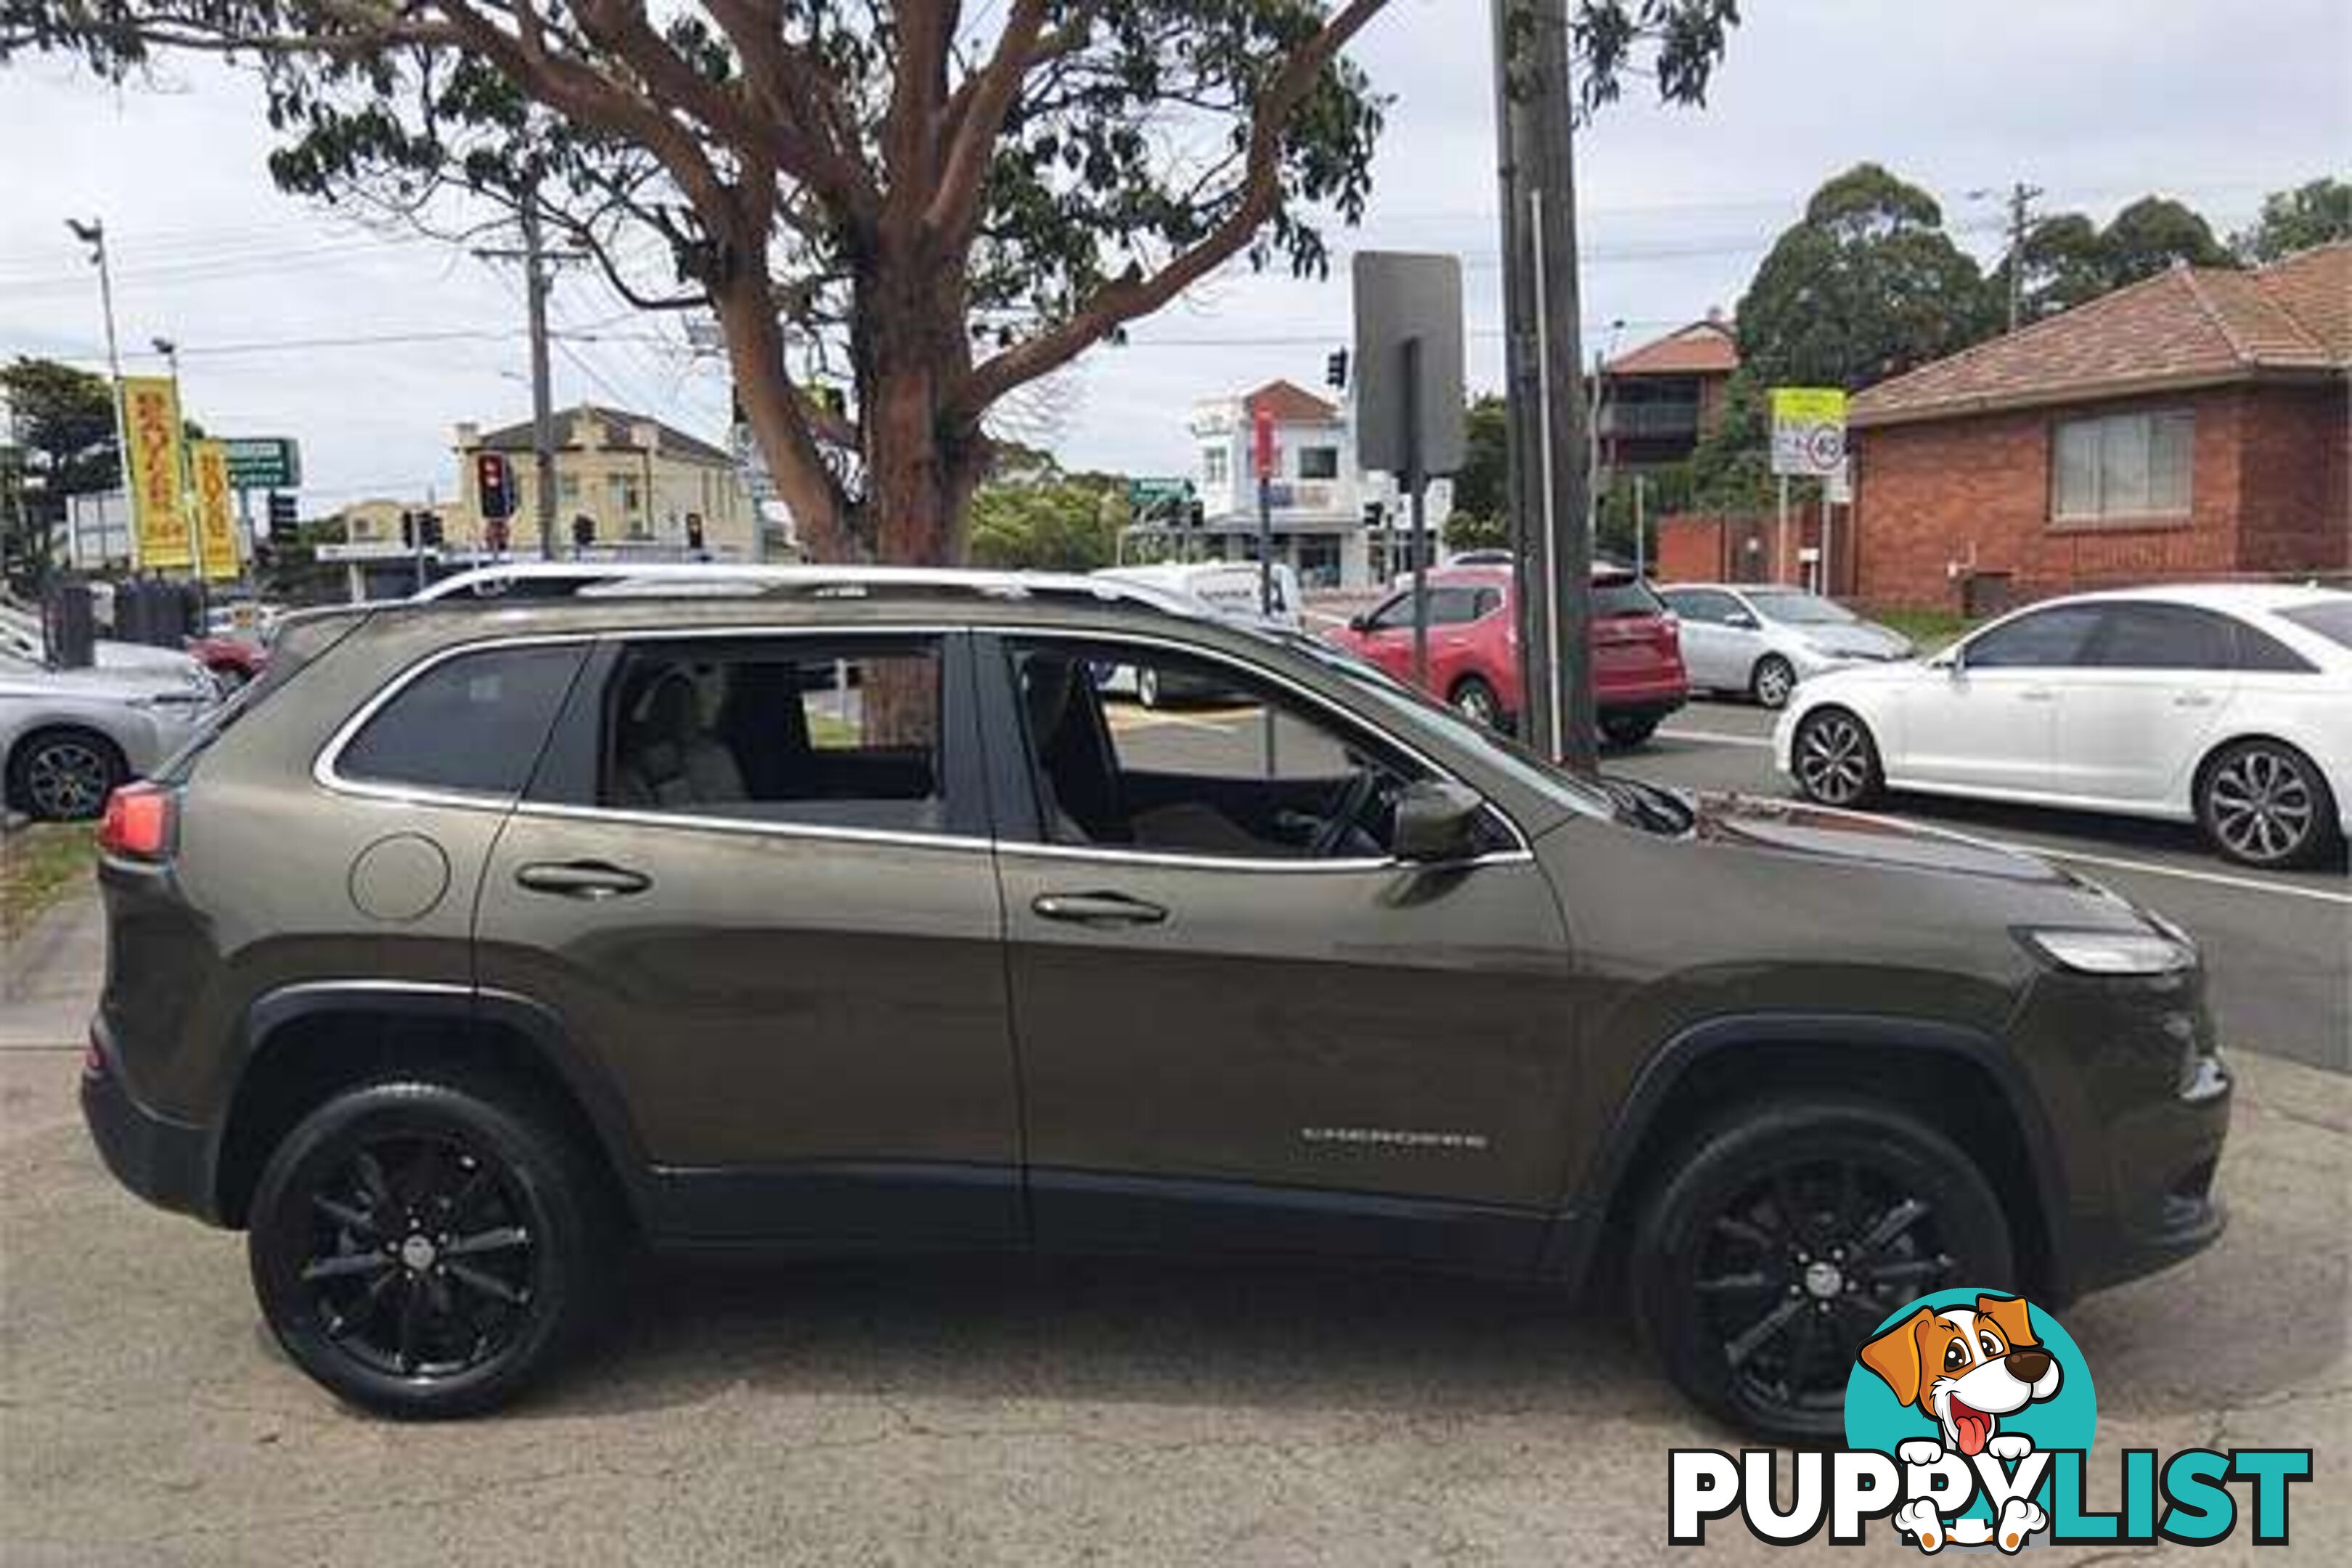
pixel 485 942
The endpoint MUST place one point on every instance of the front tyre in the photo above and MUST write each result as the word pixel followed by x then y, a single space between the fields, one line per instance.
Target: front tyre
pixel 1835 761
pixel 1476 701
pixel 1785 1234
pixel 1628 730
pixel 1773 680
pixel 2262 803
pixel 429 1244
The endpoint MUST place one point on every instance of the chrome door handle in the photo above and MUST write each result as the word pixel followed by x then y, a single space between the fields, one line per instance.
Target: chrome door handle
pixel 2192 699
pixel 582 879
pixel 2037 694
pixel 1098 908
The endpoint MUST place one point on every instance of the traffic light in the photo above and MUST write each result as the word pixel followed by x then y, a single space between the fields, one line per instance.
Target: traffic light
pixel 428 530
pixel 694 530
pixel 281 512
pixel 494 535
pixel 1335 369
pixel 494 481
pixel 583 530
pixel 407 529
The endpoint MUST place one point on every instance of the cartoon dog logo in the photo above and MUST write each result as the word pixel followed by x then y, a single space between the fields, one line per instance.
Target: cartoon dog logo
pixel 1965 1369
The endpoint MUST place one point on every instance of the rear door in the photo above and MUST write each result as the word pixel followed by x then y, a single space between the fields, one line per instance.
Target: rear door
pixel 2134 718
pixel 1241 1027
pixel 752 878
pixel 1718 654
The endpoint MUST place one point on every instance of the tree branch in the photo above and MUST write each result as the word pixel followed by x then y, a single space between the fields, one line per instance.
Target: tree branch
pixel 977 118
pixel 1124 298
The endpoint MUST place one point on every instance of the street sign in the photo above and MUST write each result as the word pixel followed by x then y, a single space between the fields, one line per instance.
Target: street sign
pixel 1408 361
pixel 1837 485
pixel 1807 431
pixel 263 462
pixel 1158 489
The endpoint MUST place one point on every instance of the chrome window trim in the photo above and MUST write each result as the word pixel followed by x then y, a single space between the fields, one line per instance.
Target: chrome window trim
pixel 1347 717
pixel 324 772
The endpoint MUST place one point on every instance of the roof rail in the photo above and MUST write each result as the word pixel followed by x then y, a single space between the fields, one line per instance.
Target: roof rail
pixel 671 579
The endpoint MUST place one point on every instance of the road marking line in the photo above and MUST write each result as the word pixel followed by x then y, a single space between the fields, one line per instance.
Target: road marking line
pixel 1717 738
pixel 2149 868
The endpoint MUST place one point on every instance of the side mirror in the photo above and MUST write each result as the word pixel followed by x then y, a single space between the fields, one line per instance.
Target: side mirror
pixel 1436 820
pixel 1740 620
pixel 1361 621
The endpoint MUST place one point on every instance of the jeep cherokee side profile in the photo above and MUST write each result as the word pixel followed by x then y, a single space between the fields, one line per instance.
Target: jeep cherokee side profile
pixel 478 943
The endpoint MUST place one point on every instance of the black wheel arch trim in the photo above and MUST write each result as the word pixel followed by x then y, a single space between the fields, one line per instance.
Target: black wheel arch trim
pixel 539 1026
pixel 1572 1251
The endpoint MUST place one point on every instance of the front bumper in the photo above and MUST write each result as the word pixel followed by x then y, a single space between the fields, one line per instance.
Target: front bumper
pixel 167 1162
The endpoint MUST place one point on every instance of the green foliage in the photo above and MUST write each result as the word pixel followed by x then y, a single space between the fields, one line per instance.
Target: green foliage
pixel 1666 488
pixel 61 425
pixel 2065 264
pixel 2315 213
pixel 1731 469
pixel 1060 524
pixel 2153 234
pixel 1476 531
pixel 1868 285
pixel 1482 485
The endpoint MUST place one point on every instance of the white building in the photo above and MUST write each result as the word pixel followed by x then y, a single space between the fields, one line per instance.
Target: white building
pixel 1337 526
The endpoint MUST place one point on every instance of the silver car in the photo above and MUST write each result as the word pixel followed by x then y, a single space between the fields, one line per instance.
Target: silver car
pixel 67 737
pixel 1762 639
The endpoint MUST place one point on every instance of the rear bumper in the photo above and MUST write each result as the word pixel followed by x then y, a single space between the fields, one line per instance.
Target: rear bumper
pixel 167 1162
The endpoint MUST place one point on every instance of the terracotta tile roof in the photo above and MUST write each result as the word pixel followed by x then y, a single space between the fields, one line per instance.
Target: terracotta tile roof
pixel 2185 327
pixel 613 426
pixel 1703 348
pixel 1290 404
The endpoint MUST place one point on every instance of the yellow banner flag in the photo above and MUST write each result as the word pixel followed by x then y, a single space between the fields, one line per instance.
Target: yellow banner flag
pixel 162 539
pixel 215 510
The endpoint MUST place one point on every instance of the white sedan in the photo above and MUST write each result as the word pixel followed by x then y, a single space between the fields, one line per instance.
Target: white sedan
pixel 2225 705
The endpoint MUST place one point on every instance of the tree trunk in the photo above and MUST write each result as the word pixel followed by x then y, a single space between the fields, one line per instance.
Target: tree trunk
pixel 922 461
pixel 755 356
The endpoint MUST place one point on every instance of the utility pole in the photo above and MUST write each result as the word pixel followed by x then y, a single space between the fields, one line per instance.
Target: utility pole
pixel 93 234
pixel 2019 198
pixel 1537 109
pixel 1522 392
pixel 537 281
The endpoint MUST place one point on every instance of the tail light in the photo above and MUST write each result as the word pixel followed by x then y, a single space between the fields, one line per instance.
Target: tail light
pixel 142 823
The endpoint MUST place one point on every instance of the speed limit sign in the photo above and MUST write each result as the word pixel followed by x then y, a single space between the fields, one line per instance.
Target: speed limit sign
pixel 1808 430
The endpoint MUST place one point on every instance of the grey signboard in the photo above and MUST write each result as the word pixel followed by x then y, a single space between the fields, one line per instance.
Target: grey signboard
pixel 1408 312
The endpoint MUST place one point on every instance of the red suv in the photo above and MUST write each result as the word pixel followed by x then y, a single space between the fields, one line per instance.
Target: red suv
pixel 1474 653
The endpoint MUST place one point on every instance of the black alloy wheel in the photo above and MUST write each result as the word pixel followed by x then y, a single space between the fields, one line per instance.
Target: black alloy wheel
pixel 2264 803
pixel 1787 1237
pixel 1836 761
pixel 1627 729
pixel 427 1248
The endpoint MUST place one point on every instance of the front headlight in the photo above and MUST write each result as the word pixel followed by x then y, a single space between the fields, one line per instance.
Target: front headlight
pixel 2113 951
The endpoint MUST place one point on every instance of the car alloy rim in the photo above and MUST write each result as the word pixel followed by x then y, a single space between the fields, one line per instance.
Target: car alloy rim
pixel 1474 704
pixel 1831 759
pixel 1799 1269
pixel 67 778
pixel 2263 806
pixel 419 1258
pixel 1772 683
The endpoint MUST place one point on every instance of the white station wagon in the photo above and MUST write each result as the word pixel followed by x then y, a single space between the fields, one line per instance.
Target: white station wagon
pixel 2227 705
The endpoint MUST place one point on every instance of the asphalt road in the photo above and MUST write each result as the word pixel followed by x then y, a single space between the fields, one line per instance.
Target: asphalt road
pixel 2278 945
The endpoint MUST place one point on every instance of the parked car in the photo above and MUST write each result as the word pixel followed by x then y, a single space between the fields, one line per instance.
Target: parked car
pixel 21 635
pixel 2229 706
pixel 232 660
pixel 69 737
pixel 603 938
pixel 1761 640
pixel 1473 659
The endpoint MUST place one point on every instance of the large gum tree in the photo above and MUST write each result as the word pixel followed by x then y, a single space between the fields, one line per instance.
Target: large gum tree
pixel 899 211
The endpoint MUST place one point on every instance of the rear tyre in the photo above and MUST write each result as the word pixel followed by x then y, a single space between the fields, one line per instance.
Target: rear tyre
pixel 428 1245
pixel 2262 803
pixel 1627 728
pixel 1835 761
pixel 1785 1234
pixel 1773 680
pixel 1476 701
pixel 65 774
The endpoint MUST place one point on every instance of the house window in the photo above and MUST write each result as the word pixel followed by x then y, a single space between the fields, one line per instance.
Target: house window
pixel 1214 465
pixel 2122 466
pixel 1318 462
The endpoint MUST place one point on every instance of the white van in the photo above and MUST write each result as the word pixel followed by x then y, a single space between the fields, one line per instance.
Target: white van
pixel 1229 590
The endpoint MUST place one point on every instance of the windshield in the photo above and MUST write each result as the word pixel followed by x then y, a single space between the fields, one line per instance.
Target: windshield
pixel 2331 618
pixel 1802 609
pixel 1402 703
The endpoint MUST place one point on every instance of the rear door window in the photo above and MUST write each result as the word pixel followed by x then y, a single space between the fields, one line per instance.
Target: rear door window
pixel 472 724
pixel 2164 636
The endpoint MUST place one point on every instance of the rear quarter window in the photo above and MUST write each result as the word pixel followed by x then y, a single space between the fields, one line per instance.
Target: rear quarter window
pixel 1624 596
pixel 473 723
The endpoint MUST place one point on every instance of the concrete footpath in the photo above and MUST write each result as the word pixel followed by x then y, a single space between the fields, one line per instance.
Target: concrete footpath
pixel 49 977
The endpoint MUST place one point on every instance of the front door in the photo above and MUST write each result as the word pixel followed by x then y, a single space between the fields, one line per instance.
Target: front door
pixel 1986 719
pixel 1241 1022
pixel 2133 719
pixel 753 880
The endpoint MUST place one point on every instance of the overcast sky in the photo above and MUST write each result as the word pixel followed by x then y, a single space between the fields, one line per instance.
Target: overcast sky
pixel 2214 102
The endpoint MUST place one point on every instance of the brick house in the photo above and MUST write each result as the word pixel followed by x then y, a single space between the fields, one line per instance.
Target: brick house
pixel 2191 424
pixel 1657 400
